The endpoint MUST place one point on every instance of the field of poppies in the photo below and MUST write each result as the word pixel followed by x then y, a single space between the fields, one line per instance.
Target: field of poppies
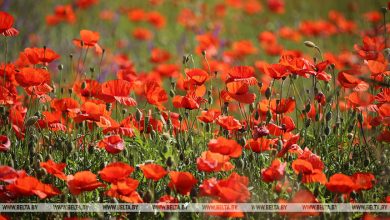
pixel 174 101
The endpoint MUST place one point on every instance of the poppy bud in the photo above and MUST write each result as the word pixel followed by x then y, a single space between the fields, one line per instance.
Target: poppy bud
pixel 138 115
pixel 210 100
pixel 83 85
pixel 31 121
pixel 146 122
pixel 208 127
pixel 260 84
pixel 70 91
pixel 91 69
pixel 184 60
pixel 242 141
pixel 328 116
pixel 257 115
pixel 169 161
pixel 268 93
pixel 108 106
pixel 360 117
pixel 203 52
pixel 269 116
pixel 317 118
pixel 60 67
pixel 307 122
pixel 225 108
pixel 165 149
pixel 171 93
pixel 166 136
pixel 327 130
pixel 310 44
pixel 182 156
pixel 147 196
pixel 307 107
pixel 350 127
pixel 350 136
pixel 384 10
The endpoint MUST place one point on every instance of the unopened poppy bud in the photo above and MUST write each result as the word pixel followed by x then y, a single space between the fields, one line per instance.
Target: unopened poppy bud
pixel 360 117
pixel 60 67
pixel 124 111
pixel 153 134
pixel 83 85
pixel 208 127
pixel 148 196
pixel 182 157
pixel 350 127
pixel 268 93
pixel 260 84
pixel 210 100
pixel 138 115
pixel 242 141
pixel 252 107
pixel 184 60
pixel 269 116
pixel 307 122
pixel 62 91
pixel 317 117
pixel 203 52
pixel 310 44
pixel 384 10
pixel 307 107
pixel 328 116
pixel 171 93
pixel 257 115
pixel 31 121
pixel 350 136
pixel 70 91
pixel 190 140
pixel 146 122
pixel 327 130
pixel 166 136
pixel 169 161
pixel 165 149
pixel 108 106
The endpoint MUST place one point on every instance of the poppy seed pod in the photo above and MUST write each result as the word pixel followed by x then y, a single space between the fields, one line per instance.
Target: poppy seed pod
pixel 310 44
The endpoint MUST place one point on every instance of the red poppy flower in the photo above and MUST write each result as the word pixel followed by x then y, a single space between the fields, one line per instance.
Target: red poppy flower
pixel 28 186
pixel 349 81
pixel 39 55
pixel 309 174
pixel 10 175
pixel 156 19
pixel 229 123
pixel 5 143
pixel 166 199
pixel 159 56
pixel 6 23
pixel 283 106
pixel 259 145
pixel 153 171
pixel 276 6
pixel 88 39
pixel 225 147
pixel 182 182
pixel 190 101
pixel 302 196
pixel 27 77
pixel 125 191
pixel 363 181
pixel 274 172
pixel 276 71
pixel 113 144
pixel 84 4
pixel 233 189
pixel 65 104
pixel 213 162
pixel 371 48
pixel 197 76
pixel 209 116
pixel 56 169
pixel 340 183
pixel 142 34
pixel 83 181
pixel 118 90
pixel 155 94
pixel 115 172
